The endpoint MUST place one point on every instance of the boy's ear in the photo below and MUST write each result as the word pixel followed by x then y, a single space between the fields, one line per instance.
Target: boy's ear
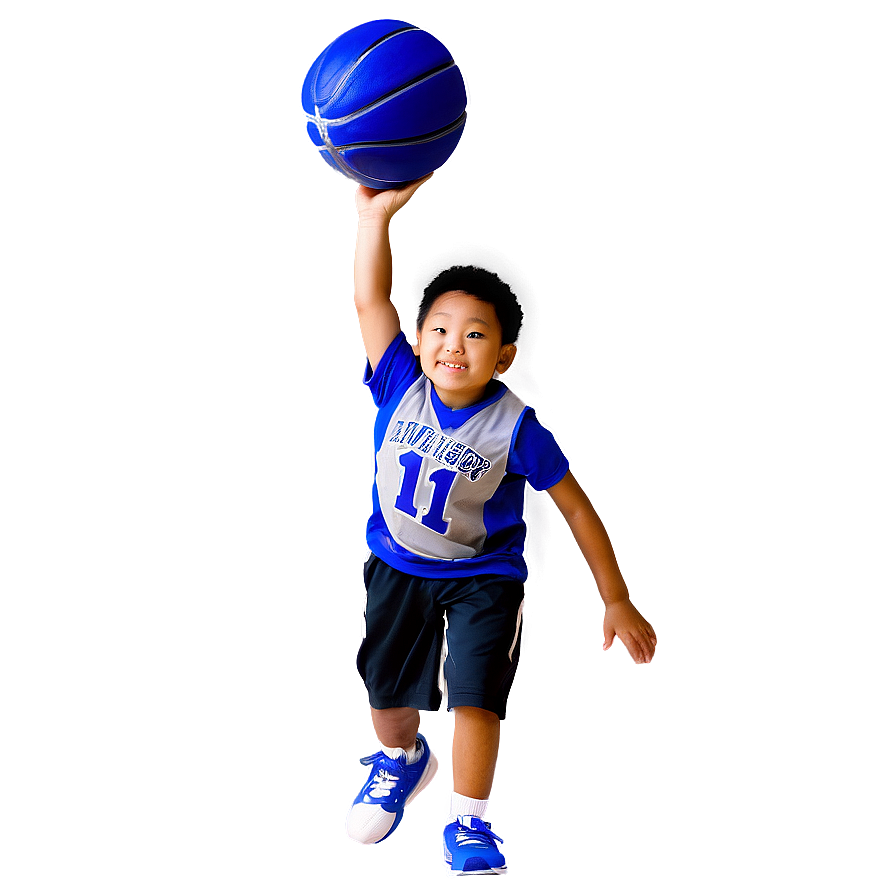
pixel 505 358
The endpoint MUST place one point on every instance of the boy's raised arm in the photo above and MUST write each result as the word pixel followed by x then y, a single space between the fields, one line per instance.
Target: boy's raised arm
pixel 620 618
pixel 373 267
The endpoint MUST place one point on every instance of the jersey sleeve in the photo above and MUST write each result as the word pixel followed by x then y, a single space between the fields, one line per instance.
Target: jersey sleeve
pixel 397 369
pixel 535 454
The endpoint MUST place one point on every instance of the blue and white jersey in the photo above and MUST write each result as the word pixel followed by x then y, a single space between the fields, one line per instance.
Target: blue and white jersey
pixel 449 484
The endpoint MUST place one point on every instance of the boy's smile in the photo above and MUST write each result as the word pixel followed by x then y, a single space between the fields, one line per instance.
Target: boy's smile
pixel 461 348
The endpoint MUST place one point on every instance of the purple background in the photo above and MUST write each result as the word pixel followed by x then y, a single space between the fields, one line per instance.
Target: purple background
pixel 702 194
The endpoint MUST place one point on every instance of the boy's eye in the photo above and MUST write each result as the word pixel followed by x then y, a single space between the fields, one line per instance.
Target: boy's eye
pixel 439 330
pixel 475 335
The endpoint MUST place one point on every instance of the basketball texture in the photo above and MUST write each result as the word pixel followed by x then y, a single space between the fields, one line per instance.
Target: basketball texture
pixel 385 103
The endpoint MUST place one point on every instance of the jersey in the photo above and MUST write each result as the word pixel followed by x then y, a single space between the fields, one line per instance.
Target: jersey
pixel 433 485
pixel 449 483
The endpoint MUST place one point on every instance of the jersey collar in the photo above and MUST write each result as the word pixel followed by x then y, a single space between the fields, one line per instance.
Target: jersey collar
pixel 450 418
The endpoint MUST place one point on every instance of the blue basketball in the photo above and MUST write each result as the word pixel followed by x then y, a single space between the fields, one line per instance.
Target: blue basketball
pixel 385 103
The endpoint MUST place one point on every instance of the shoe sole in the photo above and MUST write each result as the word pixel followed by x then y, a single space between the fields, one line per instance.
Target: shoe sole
pixel 455 873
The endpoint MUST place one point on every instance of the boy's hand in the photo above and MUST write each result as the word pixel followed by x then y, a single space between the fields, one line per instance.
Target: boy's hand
pixel 622 619
pixel 383 204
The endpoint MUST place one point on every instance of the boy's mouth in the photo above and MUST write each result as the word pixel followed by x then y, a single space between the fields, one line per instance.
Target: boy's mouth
pixel 451 366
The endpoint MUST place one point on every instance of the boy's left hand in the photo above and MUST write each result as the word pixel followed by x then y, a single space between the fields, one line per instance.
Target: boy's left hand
pixel 622 619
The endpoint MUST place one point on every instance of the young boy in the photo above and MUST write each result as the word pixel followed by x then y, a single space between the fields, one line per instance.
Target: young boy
pixel 454 449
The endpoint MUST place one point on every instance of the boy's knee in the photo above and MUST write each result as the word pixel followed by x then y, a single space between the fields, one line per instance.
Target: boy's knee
pixel 476 713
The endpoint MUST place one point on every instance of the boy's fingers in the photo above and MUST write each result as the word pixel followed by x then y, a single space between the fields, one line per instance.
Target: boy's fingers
pixel 649 647
pixel 636 647
pixel 637 651
pixel 414 184
pixel 608 640
pixel 410 189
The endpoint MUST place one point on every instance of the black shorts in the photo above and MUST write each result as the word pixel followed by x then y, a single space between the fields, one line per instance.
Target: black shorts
pixel 405 620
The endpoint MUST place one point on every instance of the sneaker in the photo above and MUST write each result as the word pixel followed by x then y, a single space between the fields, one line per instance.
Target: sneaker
pixel 470 847
pixel 391 785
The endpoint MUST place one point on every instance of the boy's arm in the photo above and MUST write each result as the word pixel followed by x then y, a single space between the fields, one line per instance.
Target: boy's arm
pixel 373 267
pixel 620 618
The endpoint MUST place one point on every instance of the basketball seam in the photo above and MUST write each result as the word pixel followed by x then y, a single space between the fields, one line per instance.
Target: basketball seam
pixel 363 56
pixel 420 79
pixel 423 138
pixel 331 150
pixel 312 76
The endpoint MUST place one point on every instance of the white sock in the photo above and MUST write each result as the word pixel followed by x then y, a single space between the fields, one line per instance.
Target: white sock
pixel 398 753
pixel 465 805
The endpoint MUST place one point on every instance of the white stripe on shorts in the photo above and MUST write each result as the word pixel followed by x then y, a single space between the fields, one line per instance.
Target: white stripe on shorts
pixel 516 634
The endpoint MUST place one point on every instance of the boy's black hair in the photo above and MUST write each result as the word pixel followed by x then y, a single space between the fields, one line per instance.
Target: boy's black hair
pixel 485 286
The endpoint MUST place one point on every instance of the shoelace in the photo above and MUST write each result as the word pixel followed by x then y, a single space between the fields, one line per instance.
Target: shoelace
pixel 384 781
pixel 381 785
pixel 479 834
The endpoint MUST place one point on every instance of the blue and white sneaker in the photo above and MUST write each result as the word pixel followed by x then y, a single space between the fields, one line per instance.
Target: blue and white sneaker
pixel 391 785
pixel 470 847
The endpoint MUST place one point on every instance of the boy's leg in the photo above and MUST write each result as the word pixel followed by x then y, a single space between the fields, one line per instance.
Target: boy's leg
pixel 484 626
pixel 399 662
pixel 470 845
pixel 477 733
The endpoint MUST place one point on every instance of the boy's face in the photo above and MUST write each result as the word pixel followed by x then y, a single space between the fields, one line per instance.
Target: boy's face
pixel 460 348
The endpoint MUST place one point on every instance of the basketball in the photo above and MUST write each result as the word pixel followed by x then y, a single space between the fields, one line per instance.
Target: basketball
pixel 385 103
